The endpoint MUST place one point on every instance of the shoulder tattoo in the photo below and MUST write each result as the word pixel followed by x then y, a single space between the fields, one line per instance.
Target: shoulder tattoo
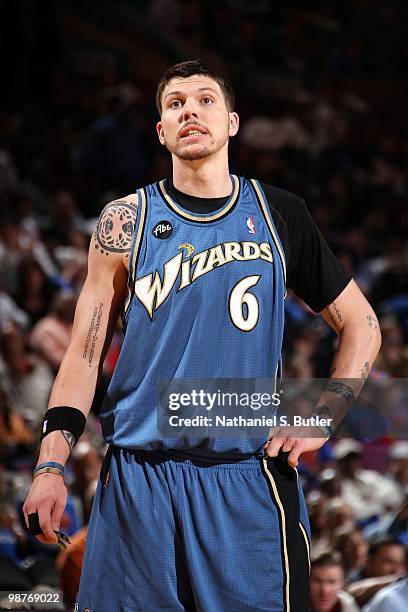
pixel 115 228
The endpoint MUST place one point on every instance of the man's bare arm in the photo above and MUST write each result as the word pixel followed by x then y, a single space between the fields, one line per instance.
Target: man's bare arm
pixel 357 327
pixel 98 307
pixel 354 321
pixel 100 302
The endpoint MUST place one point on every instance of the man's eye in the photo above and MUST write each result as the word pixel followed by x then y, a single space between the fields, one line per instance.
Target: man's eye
pixel 175 104
pixel 207 100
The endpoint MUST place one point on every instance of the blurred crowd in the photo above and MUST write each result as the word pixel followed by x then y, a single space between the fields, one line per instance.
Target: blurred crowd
pixel 319 98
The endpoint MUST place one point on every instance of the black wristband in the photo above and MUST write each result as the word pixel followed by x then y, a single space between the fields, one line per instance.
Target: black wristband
pixel 338 387
pixel 64 418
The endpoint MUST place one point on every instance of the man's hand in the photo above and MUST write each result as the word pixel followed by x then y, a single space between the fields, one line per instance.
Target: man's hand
pixel 295 440
pixel 48 497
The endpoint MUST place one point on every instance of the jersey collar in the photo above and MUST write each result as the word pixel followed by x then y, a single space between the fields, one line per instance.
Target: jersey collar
pixel 202 218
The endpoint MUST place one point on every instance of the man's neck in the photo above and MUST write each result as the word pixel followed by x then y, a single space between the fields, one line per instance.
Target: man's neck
pixel 203 178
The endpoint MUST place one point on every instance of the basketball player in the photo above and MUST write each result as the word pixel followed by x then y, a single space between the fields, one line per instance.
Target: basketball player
pixel 198 264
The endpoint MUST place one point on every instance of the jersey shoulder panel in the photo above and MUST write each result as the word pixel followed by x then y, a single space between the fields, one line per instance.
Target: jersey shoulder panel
pixel 282 200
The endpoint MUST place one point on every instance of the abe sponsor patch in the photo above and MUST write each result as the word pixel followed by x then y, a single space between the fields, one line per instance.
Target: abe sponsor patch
pixel 162 230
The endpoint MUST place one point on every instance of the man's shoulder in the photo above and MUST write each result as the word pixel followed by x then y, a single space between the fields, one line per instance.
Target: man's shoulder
pixel 131 200
pixel 123 209
pixel 347 602
pixel 394 594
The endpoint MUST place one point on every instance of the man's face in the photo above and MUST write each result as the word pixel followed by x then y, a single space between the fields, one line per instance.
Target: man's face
pixel 195 122
pixel 388 560
pixel 325 583
pixel 355 551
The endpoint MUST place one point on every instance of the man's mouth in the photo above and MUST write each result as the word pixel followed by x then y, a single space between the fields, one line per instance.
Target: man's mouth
pixel 191 131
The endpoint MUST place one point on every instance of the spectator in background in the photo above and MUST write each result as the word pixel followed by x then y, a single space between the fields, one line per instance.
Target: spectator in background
pixel 34 289
pixel 11 313
pixel 385 557
pixel 316 508
pixel 13 539
pixel 72 260
pixel 339 516
pixel 398 464
pixel 50 336
pixel 15 435
pixel 393 356
pixel 329 483
pixel 86 464
pixel 11 254
pixel 368 493
pixel 65 217
pixel 353 548
pixel 27 376
pixel 13 545
pixel 326 586
pixel 385 564
pixel 393 598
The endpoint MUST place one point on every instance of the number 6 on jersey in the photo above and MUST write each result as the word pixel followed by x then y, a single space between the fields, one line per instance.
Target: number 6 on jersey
pixel 240 296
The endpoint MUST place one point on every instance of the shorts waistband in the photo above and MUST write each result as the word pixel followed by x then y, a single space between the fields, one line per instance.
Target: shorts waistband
pixel 217 462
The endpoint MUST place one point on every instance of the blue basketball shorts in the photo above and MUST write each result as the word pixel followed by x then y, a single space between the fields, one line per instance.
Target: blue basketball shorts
pixel 169 533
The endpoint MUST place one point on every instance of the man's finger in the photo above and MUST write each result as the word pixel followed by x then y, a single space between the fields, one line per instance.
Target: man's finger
pixel 44 514
pixel 26 511
pixel 293 457
pixel 44 540
pixel 289 443
pixel 56 514
pixel 274 446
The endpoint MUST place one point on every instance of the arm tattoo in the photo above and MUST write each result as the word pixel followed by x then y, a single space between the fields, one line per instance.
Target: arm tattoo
pixel 365 370
pixel 342 389
pixel 372 322
pixel 338 319
pixel 115 228
pixel 336 409
pixel 69 438
pixel 322 411
pixel 92 335
pixel 337 311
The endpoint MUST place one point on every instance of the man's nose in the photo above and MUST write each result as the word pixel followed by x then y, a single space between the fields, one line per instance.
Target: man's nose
pixel 189 109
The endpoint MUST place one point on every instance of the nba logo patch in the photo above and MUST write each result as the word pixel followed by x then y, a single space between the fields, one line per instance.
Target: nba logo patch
pixel 251 225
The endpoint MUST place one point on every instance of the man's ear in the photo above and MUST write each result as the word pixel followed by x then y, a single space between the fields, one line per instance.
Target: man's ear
pixel 233 124
pixel 160 133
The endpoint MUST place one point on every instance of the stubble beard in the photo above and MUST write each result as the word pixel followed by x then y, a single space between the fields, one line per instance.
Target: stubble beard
pixel 188 155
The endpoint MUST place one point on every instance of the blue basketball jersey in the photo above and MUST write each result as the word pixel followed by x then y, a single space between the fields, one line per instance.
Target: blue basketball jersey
pixel 206 301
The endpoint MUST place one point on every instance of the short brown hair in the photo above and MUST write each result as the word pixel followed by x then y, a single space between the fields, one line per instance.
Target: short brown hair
pixel 327 559
pixel 377 545
pixel 190 68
